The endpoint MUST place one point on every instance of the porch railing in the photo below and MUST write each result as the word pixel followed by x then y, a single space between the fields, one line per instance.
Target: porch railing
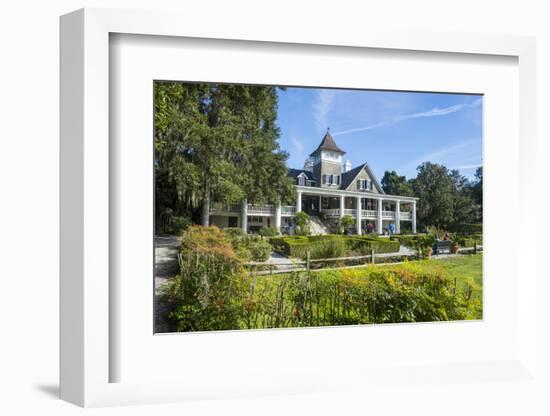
pixel 221 207
pixel 288 210
pixel 332 212
pixel 261 209
pixel 405 215
pixel 368 213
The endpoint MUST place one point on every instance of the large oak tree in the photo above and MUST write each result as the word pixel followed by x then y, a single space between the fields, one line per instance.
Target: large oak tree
pixel 216 142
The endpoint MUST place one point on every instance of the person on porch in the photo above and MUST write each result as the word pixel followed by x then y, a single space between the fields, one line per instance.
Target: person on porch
pixel 391 228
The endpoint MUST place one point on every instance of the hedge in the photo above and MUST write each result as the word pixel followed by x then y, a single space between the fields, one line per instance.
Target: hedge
pixel 297 246
pixel 463 228
pixel 366 243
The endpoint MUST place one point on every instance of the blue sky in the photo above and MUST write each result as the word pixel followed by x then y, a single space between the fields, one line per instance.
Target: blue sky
pixel 389 130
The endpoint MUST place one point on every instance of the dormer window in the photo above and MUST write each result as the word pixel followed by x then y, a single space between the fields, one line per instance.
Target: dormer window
pixel 302 180
pixel 364 184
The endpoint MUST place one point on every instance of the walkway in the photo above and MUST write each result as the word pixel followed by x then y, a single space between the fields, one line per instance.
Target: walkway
pixel 166 258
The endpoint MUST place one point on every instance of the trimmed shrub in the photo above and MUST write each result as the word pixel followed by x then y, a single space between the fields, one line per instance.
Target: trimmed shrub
pixel 363 244
pixel 268 232
pixel 260 249
pixel 327 246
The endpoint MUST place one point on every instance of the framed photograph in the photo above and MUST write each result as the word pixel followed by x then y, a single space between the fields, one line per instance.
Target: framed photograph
pixel 273 214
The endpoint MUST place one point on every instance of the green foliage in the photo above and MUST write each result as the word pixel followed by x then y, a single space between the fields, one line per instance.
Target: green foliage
pixel 327 246
pixel 268 232
pixel 302 222
pixel 233 232
pixel 465 228
pixel 172 225
pixel 364 244
pixel 216 142
pixel 346 222
pixel 248 247
pixel 416 241
pixel 411 292
pixel 205 292
pixel 393 184
pixel 434 186
pixel 260 249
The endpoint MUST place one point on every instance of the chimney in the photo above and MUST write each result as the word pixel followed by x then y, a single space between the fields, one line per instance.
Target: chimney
pixel 347 166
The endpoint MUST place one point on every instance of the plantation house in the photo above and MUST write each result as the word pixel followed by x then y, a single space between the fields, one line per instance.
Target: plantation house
pixel 330 189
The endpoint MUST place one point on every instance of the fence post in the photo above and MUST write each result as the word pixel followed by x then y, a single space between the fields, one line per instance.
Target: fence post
pixel 475 247
pixel 308 256
pixel 372 255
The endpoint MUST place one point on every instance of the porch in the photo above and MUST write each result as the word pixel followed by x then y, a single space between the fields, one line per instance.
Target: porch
pixel 380 210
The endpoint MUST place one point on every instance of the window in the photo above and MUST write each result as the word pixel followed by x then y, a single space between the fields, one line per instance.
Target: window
pixel 332 179
pixel 364 184
pixel 324 179
pixel 301 180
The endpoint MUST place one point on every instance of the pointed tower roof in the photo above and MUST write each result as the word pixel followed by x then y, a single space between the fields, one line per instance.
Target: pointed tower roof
pixel 328 143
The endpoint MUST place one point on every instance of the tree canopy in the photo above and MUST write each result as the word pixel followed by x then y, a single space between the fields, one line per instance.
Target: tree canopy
pixel 394 184
pixel 216 143
pixel 445 196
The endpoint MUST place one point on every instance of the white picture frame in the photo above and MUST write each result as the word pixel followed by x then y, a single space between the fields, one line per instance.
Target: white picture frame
pixel 85 212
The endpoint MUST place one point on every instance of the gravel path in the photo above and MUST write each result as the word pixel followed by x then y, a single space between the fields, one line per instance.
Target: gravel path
pixel 166 258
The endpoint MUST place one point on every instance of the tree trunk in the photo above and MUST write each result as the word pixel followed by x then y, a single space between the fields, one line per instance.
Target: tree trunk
pixel 206 210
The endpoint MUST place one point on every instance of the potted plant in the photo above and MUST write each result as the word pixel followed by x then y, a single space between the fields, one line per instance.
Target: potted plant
pixel 427 252
pixel 425 245
pixel 455 239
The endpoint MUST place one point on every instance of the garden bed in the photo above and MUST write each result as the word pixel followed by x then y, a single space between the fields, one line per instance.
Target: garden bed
pixel 327 246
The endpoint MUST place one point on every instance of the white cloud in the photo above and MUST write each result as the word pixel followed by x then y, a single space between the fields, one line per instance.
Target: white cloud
pixel 436 156
pixel 466 167
pixel 435 112
pixel 322 107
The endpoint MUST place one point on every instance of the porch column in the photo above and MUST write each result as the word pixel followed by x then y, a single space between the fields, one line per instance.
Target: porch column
pixel 244 216
pixel 320 203
pixel 298 201
pixel 398 217
pixel 414 217
pixel 358 215
pixel 379 216
pixel 278 217
pixel 342 205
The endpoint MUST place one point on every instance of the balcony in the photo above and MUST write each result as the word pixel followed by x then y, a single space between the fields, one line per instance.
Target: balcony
pixel 221 208
pixel 288 211
pixel 254 209
pixel 368 214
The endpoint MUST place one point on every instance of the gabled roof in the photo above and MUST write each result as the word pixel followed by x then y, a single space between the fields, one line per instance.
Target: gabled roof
pixel 349 177
pixel 294 173
pixel 328 143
